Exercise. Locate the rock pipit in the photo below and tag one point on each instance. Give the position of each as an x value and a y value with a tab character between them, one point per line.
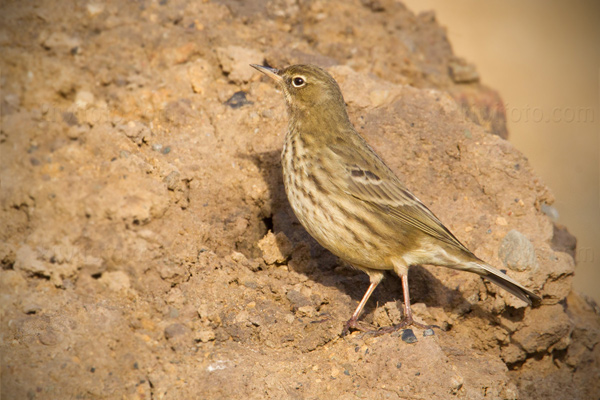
352	203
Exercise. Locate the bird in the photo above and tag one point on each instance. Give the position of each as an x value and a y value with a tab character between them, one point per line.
353	204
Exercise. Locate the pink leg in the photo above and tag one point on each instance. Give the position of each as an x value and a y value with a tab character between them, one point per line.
408	319
352	322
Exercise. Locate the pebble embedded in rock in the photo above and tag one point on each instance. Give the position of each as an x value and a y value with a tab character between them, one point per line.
50	337
93	9
74	132
408	336
428	332
27	260
237	100
115	280
199	74
306	311
172	180
205	336
31	308
60	41
135	131
550	211
517	252
84	99
175	330
463	72
275	248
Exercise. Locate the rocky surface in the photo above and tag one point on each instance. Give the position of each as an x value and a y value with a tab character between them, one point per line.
148	250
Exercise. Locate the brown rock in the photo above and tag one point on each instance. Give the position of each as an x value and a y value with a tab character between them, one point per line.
563	240
174	330
463	72
544	327
154	177
275	248
235	62
60	41
557	274
517	252
115	280
205	336
27	260
200	75
513	353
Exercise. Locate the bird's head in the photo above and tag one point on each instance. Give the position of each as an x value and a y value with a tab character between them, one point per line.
306	87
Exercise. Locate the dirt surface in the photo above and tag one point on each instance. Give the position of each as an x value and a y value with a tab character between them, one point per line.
148	250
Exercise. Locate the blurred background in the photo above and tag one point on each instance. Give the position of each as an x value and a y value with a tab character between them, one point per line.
544	59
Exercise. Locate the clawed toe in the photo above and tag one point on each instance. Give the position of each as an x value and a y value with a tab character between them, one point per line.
423	326
405	323
402	325
356	326
368	330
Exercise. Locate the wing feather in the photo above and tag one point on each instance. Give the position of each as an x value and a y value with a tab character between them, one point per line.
367	178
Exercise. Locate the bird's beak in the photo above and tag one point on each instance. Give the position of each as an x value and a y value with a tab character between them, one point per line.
270	72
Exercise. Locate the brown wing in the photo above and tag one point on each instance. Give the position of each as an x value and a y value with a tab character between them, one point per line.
366	177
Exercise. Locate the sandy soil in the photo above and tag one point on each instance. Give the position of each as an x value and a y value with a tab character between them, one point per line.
148	250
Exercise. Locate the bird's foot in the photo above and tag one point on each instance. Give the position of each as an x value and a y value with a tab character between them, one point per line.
405	323
354	324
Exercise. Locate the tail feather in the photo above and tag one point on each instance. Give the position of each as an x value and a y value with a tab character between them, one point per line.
504	281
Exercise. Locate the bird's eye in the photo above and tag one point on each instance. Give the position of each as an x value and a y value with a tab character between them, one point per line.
298	81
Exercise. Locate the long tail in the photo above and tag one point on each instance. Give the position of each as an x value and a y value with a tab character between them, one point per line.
504	281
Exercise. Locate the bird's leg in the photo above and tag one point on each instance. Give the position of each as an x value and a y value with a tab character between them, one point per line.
408	319
353	321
